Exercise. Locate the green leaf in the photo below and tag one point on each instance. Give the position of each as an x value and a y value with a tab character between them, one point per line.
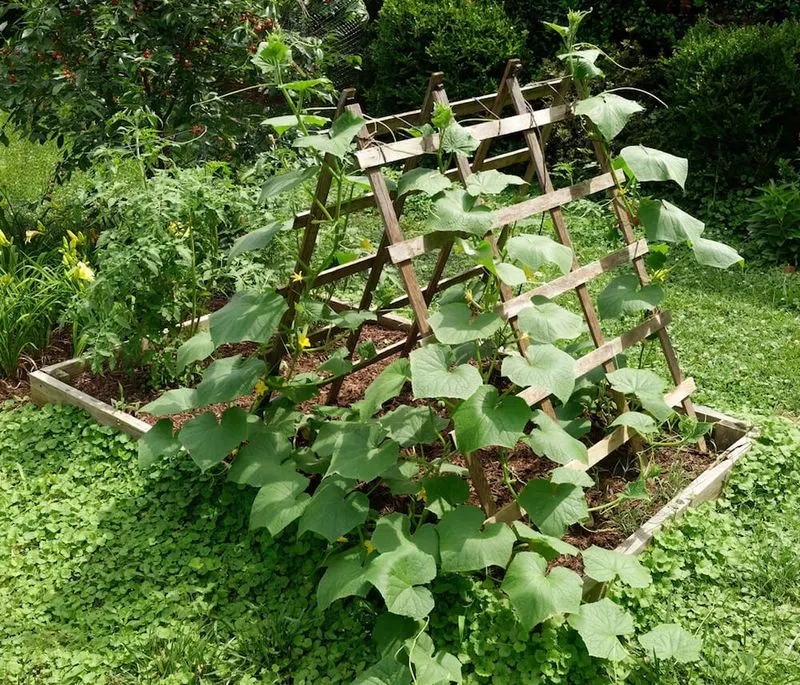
397	576
607	111
671	641
305	85
172	402
412	425
547	322
229	378
353	319
249	316
583	63
536	595
511	275
455	211
337	364
432	375
256	240
195	349
649	164
331	512
393	532
157	442
280	502
491	182
340	138
344	577
713	253
553	507
388	671
543	366
567	474
664	221
283	183
486	419
604	565
647	386
387	385
624	295
209	442
536	250
455	324
258	461
599	624
457	140
443	493
463	546
428	181
552	441
361	459
545	545
289	121
430	668
641	423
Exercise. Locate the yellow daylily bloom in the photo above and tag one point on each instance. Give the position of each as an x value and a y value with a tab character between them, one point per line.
297	277
369	546
30	235
84	272
4	241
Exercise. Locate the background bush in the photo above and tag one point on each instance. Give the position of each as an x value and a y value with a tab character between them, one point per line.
734	101
470	40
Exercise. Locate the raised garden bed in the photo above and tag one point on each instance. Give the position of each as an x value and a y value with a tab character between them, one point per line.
67	383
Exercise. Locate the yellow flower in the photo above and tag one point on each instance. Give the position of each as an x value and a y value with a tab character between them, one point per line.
297	277
261	387
341	538
84	272
369	546
173	228
366	245
30	235
524	337
302	341
4	242
468	295
421	495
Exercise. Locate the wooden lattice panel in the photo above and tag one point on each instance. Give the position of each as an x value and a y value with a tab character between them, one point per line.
534	124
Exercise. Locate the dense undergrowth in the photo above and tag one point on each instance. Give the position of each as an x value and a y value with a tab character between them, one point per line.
114	575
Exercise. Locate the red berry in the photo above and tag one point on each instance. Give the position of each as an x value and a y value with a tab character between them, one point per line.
252	48
268	23
147	53
12	78
197	129
76	11
186	64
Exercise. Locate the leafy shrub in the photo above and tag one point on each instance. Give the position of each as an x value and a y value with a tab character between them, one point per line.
469	40
66	71
33	293
734	101
774	222
158	253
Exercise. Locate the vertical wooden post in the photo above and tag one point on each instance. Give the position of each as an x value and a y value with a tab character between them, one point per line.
382	256
294	290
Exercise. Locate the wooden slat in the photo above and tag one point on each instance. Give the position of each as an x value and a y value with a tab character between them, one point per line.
597	452
554	199
337	273
414	247
413	147
533	91
605	352
573	279
441	286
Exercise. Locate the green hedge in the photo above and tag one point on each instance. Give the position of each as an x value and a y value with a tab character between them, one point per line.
734	101
469	40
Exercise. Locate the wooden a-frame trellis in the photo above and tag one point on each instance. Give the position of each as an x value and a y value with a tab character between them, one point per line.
535	126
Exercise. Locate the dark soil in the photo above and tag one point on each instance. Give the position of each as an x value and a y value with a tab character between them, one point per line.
58	350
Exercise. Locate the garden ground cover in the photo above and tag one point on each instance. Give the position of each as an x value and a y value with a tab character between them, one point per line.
113	575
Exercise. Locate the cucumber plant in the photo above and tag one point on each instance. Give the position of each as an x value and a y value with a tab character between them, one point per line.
329	471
